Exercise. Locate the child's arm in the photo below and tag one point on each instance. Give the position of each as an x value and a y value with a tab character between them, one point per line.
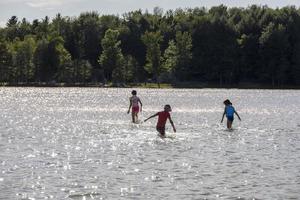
151	117
223	115
130	104
171	122
237	115
141	104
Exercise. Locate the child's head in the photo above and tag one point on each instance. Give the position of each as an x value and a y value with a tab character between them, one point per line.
227	102
168	108
133	92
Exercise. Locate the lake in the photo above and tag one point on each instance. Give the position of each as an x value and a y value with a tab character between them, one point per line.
79	143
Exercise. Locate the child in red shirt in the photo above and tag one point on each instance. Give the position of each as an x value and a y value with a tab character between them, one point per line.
162	119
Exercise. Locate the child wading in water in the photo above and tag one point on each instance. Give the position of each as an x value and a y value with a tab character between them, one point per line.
134	103
162	119
229	112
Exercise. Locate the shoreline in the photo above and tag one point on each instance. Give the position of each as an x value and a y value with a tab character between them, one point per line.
154	86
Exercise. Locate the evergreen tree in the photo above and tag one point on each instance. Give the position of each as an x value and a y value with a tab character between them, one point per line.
12	27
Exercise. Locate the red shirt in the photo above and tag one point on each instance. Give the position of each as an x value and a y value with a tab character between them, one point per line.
162	118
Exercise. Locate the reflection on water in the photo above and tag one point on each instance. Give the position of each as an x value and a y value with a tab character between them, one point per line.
78	143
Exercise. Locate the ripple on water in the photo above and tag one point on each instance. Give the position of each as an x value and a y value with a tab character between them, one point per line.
78	143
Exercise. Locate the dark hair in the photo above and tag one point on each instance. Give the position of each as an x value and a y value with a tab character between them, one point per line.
133	92
227	102
167	106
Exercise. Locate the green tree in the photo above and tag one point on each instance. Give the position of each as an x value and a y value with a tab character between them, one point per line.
64	64
132	68
69	30
132	43
12	27
152	41
170	57
178	56
295	66
52	60
81	72
273	50
23	52
24	29
184	55
112	59
41	29
40	60
257	45
5	62
88	33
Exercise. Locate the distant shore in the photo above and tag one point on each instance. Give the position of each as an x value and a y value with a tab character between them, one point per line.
191	85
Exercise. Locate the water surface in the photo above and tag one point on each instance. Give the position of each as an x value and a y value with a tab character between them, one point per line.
78	143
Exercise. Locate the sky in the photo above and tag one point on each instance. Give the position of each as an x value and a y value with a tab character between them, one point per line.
38	9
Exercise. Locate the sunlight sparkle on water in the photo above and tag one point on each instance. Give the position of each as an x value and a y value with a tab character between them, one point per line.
79	143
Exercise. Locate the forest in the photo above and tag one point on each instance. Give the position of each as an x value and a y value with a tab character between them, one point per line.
255	46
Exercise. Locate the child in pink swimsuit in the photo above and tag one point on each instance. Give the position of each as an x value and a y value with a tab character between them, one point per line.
134	103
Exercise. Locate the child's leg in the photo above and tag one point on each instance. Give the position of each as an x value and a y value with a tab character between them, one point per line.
133	117
135	111
229	124
161	130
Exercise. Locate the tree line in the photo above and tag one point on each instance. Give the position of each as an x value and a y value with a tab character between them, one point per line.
222	46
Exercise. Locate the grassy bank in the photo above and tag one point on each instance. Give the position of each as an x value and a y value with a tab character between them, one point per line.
191	85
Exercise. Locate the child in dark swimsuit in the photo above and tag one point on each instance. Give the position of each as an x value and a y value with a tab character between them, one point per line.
162	119
229	111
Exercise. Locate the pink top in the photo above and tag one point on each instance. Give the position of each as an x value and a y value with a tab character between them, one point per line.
135	101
